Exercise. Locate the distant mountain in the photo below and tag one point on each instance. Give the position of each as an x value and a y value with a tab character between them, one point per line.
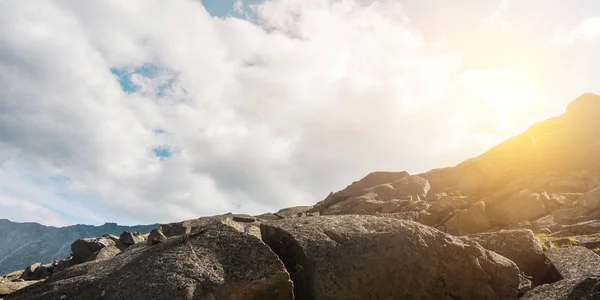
22	244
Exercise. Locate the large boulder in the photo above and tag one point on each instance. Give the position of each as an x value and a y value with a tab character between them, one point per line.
521	207
213	262
367	257
520	246
572	289
83	249
574	262
131	238
411	186
471	220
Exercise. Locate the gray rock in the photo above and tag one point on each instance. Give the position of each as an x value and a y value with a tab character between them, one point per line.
588	227
521	207
520	246
366	257
573	289
131	238
213	262
156	236
83	249
105	253
471	220
414	186
574	262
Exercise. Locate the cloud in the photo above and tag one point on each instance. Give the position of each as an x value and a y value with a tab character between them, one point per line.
23	211
587	31
498	17
155	111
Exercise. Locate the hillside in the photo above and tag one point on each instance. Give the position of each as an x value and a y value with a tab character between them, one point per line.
22	244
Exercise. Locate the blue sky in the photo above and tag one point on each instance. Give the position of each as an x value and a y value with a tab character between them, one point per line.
158	112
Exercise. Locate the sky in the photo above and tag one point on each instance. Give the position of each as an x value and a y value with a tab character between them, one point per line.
148	111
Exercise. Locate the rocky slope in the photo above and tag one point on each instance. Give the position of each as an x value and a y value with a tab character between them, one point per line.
520	221
22	244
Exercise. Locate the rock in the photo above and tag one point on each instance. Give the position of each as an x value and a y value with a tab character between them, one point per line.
590	200
450	203
573	289
406	215
29	271
471	220
525	285
8	287
131	238
268	217
417	206
357	188
292	212
521	207
366	257
105	253
426	218
244	219
37	271
213	262
83	249
414	186
156	236
544	231
588	227
574	262
520	246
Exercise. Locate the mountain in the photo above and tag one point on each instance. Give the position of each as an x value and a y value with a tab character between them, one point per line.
22	244
520	221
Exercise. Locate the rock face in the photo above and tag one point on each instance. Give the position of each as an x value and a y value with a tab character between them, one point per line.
573	289
215	262
574	262
366	257
521	207
520	246
470	220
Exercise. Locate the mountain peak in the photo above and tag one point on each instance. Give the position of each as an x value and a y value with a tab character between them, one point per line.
586	104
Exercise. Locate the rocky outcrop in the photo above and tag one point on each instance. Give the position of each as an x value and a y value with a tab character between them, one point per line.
366	257
213	262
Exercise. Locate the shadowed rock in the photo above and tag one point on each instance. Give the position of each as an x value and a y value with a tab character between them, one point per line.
520	246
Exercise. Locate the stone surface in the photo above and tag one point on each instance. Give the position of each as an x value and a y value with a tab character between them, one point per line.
520	246
131	238
573	289
520	207
83	249
156	236
471	220
366	257
213	262
574	262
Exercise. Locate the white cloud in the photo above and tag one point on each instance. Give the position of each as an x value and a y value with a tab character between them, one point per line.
586	31
23	211
262	117
498	17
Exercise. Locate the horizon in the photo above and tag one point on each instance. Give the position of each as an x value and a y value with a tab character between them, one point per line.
161	111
